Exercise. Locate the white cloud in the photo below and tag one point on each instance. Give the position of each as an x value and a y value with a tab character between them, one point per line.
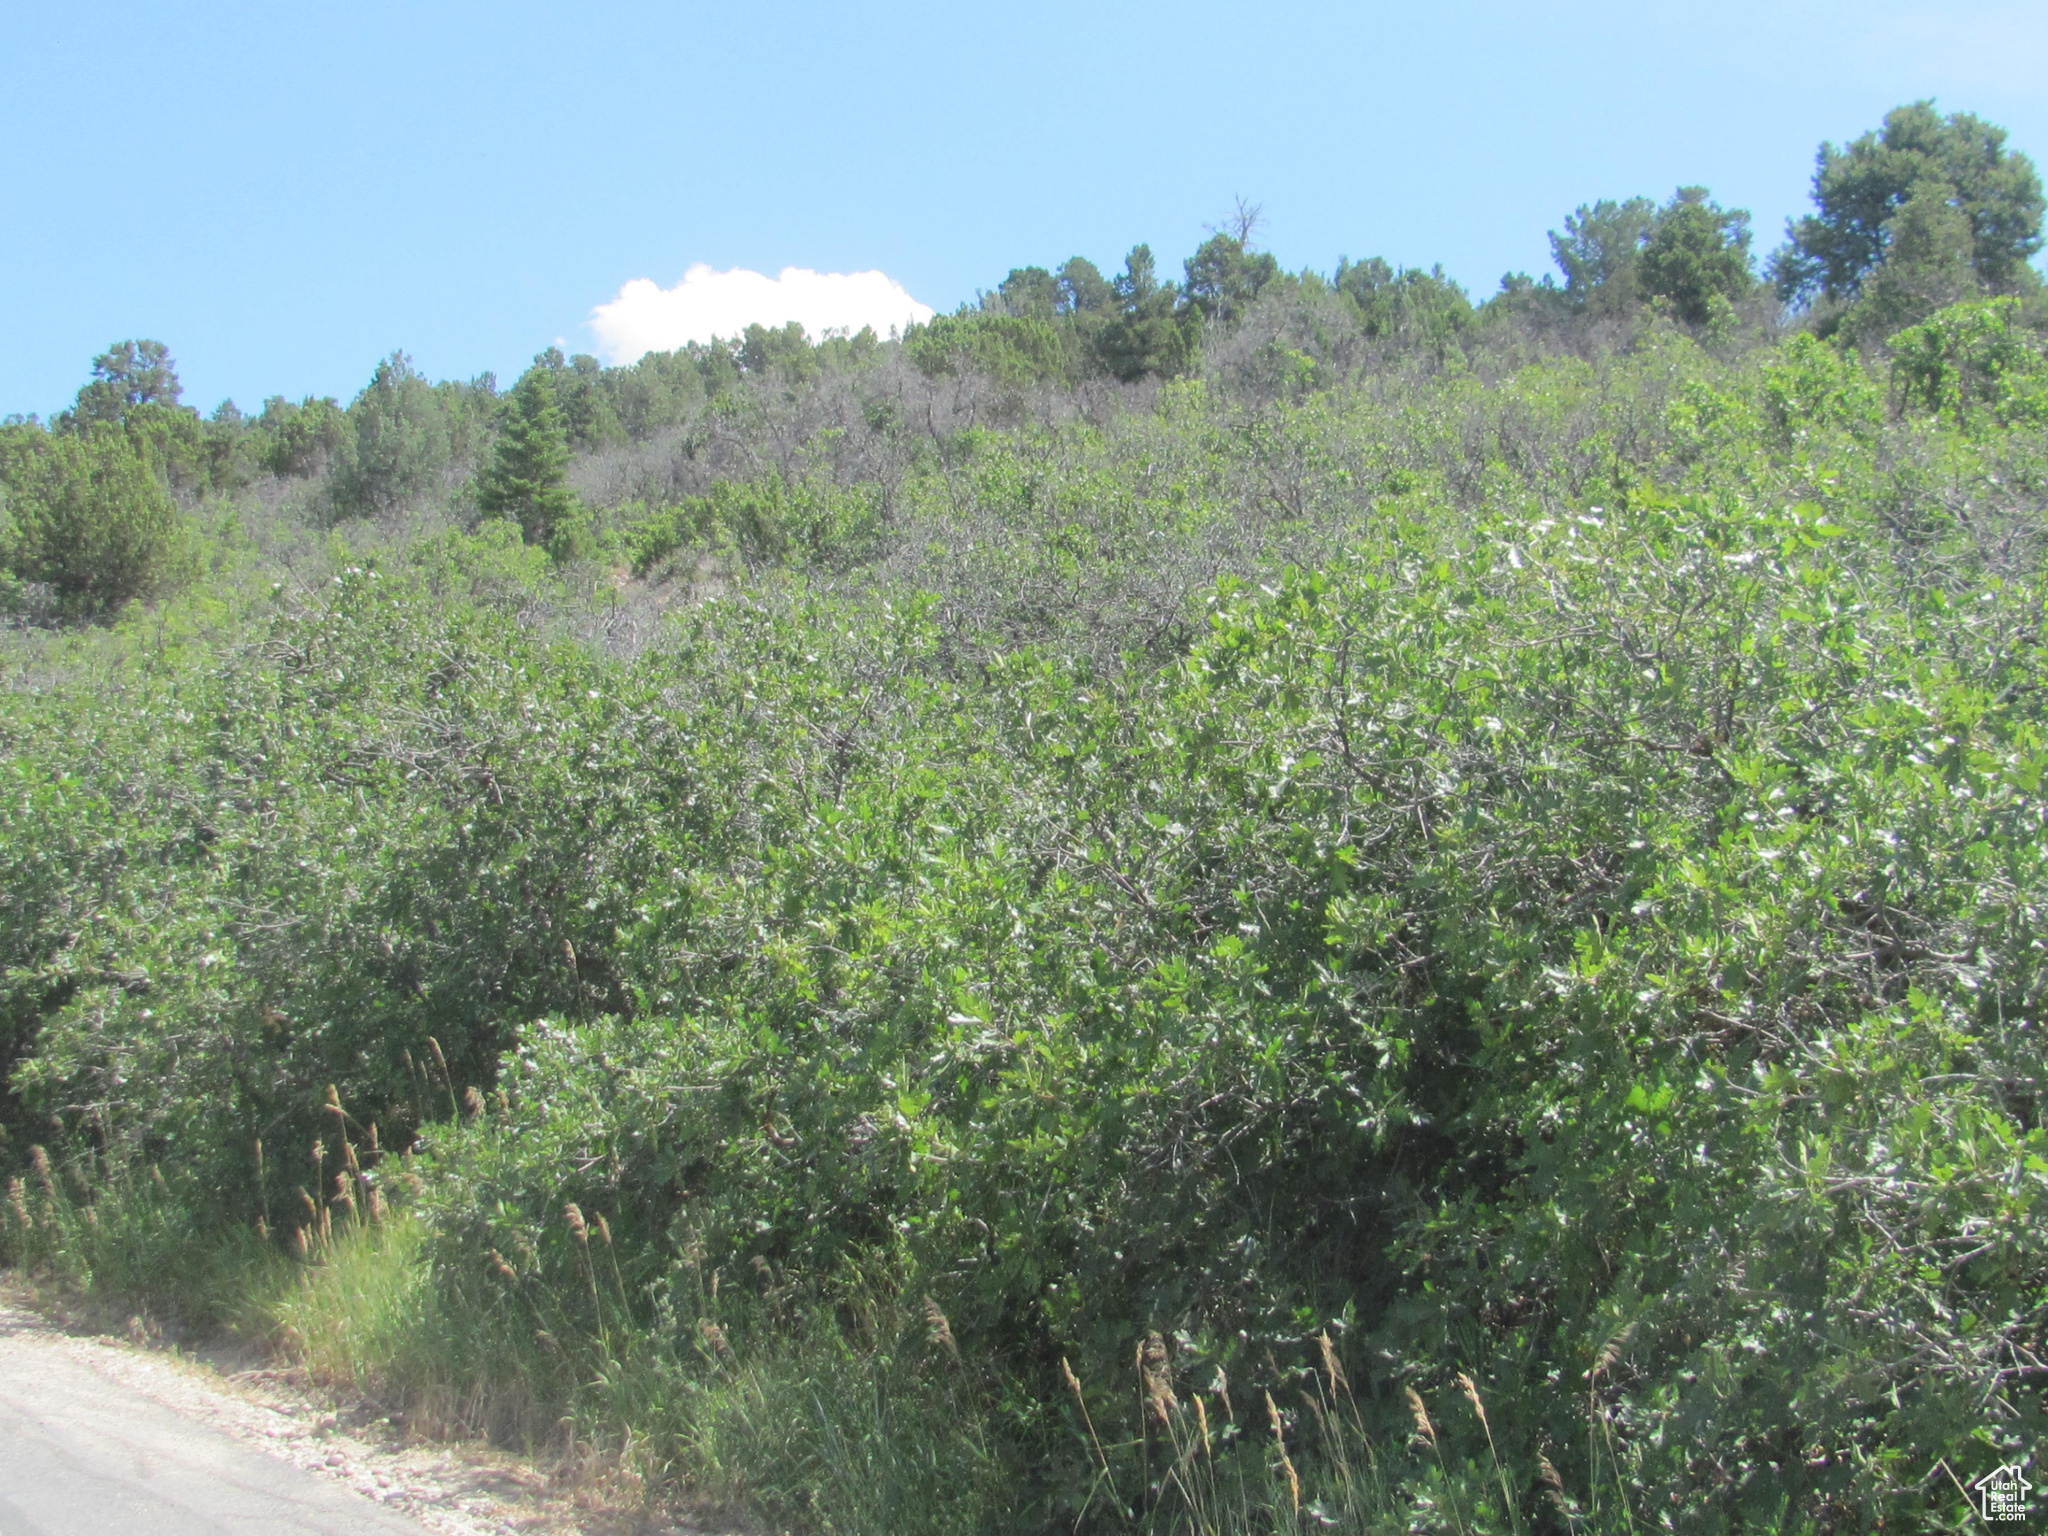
646	317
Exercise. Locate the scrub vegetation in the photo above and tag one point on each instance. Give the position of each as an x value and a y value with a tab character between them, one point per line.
1263	903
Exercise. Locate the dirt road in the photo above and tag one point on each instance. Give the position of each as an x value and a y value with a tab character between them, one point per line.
102	1439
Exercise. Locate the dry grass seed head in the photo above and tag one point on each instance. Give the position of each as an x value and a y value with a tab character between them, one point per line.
1280	1444
1332	1368
573	1214
1472	1396
1220	1386
1553	1485
1157	1375
1087	1420
1611	1350
938	1330
715	1337
472	1102
1423	1427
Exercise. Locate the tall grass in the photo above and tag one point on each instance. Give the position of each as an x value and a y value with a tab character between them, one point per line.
122	1241
812	1418
862	1416
853	1414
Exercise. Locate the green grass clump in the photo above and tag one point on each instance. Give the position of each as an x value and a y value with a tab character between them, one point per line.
777	1411
126	1241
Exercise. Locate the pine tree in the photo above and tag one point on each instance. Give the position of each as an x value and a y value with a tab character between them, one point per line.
395	447
524	480
1695	253
1860	191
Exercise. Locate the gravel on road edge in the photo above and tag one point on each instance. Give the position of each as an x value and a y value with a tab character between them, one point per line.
449	1489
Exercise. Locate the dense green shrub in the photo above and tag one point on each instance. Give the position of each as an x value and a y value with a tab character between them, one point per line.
1531	879
807	523
1453	946
299	440
401	436
1010	350
1973	362
87	519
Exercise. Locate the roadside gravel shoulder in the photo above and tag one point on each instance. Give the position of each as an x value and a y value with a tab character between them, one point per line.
449	1489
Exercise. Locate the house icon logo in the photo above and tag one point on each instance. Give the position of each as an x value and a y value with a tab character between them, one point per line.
2002	1493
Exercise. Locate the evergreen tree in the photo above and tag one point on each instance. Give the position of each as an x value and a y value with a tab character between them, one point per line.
88	520
524	479
126	375
784	350
1081	289
300	439
1696	252
1860	191
580	390
1146	335
1225	277
1691	253
1029	292
396	446
1410	309
1599	254
1927	268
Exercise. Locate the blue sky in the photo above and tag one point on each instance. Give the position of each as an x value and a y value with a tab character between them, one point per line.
284	193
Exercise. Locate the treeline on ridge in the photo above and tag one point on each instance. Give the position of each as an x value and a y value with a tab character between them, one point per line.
1926	212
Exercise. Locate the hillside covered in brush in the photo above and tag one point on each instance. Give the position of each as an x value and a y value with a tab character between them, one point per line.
1262	902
